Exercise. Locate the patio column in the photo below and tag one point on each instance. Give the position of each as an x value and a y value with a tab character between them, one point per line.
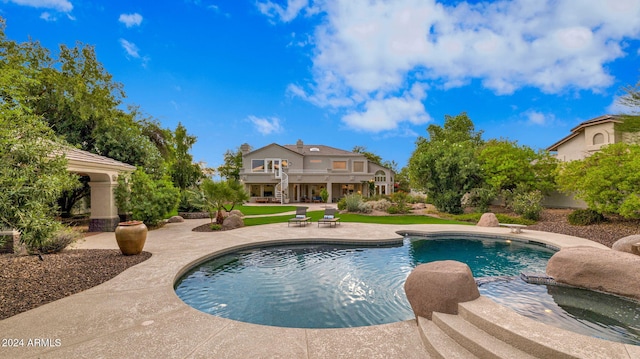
329	190
104	213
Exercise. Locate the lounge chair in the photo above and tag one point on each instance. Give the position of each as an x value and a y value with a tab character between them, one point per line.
329	217
301	217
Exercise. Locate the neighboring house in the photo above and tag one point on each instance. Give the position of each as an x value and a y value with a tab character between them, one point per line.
587	138
298	173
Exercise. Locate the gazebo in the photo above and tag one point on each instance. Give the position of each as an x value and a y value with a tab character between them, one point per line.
103	173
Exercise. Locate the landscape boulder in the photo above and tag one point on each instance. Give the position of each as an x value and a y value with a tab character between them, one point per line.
488	220
439	287
175	219
237	213
232	222
625	244
597	269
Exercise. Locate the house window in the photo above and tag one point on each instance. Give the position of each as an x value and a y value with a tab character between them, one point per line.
358	166
339	165
257	165
255	190
380	176
598	139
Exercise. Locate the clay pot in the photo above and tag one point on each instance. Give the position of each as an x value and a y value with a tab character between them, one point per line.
131	237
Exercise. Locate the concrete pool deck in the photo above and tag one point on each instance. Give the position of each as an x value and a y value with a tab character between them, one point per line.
138	315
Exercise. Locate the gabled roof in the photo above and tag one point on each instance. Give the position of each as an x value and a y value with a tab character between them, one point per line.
578	129
80	158
271	145
309	150
322	150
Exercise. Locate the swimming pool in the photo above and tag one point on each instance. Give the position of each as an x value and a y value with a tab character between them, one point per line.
338	286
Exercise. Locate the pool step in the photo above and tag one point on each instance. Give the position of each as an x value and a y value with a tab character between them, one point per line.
475	340
439	344
536	339
485	329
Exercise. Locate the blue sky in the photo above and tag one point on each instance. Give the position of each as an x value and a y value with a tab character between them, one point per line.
348	73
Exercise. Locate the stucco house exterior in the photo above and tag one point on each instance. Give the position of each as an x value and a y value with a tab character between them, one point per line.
585	139
298	173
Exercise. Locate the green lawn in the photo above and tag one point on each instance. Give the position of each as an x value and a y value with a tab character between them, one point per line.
256	210
351	217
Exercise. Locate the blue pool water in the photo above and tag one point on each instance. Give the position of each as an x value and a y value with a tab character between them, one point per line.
338	286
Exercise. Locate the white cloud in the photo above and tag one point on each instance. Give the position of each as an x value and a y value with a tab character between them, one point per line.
130	20
387	113
46	16
266	126
617	108
367	51
539	118
286	13
59	5
131	48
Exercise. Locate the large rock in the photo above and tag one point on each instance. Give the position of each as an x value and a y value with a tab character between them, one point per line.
439	287
598	269
236	212
488	220
625	244
232	222
175	219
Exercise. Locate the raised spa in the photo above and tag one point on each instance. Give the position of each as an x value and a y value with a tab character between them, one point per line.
338	286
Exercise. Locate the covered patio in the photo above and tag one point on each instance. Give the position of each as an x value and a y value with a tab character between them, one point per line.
103	173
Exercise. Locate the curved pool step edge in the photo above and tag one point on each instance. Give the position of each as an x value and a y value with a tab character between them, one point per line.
476	340
538	339
439	344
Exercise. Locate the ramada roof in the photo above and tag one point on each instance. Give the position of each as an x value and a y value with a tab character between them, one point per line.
80	158
578	129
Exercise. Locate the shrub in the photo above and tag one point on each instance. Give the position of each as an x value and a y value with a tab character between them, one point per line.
393	209
190	201
365	207
480	198
400	199
417	198
57	242
527	204
215	227
342	204
585	217
353	202
147	200
380	205
324	195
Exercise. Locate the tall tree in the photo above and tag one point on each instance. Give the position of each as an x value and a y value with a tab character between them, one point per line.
445	165
369	155
507	166
608	181
33	170
230	170
184	172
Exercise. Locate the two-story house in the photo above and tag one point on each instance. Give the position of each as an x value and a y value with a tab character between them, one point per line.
299	173
587	138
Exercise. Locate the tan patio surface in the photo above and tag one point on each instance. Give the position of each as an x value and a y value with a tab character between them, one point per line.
138	315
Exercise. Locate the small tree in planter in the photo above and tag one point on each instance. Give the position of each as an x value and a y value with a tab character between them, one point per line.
324	195
219	195
147	200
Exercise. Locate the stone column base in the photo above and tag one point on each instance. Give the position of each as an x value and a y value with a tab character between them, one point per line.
103	224
10	239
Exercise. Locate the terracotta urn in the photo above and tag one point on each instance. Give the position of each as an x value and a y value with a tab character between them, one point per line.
131	236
